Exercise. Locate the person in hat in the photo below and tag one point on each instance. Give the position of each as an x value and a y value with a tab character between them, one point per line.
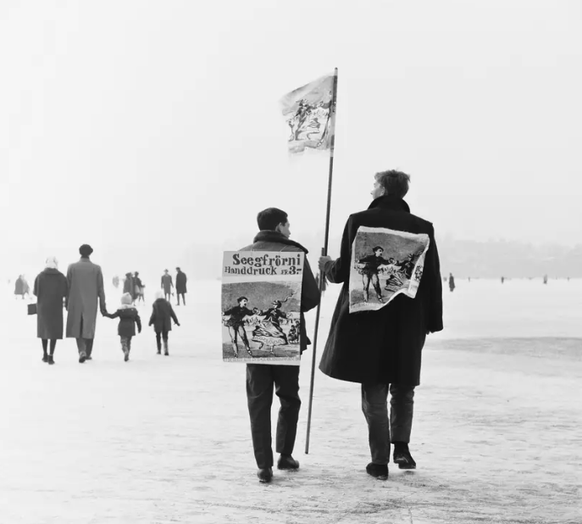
167	284
50	289
85	292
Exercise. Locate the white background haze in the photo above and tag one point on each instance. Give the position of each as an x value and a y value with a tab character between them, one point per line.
151	130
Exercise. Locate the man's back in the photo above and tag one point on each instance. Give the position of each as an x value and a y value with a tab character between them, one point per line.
403	323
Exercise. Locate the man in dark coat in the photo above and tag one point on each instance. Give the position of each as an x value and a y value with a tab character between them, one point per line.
382	349
50	289
181	280
85	288
261	378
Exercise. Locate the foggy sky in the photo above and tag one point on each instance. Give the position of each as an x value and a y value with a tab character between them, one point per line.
144	128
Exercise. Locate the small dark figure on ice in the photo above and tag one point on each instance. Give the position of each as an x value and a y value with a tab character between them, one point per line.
161	319
167	284
128	318
181	280
451	282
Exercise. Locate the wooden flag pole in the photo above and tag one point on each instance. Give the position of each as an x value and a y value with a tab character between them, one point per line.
324	253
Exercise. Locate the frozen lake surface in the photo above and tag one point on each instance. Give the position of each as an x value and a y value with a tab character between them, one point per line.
497	430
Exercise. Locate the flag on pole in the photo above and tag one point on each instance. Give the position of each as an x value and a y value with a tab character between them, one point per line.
308	111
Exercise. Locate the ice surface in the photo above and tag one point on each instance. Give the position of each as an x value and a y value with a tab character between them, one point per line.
159	439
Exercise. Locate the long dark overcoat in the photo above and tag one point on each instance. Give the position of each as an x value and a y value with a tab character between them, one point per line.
85	281
181	282
50	288
385	345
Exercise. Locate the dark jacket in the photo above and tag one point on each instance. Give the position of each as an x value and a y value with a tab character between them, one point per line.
162	315
275	241
128	318
386	345
181	282
50	288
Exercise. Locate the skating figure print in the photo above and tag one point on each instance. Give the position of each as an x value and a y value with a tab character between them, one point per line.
391	261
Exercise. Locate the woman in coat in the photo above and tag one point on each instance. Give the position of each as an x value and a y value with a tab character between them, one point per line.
50	288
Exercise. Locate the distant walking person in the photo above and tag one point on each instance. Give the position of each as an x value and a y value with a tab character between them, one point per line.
181	285
167	284
85	289
545	279
451	282
129	285
50	288
161	319
128	319
138	286
19	286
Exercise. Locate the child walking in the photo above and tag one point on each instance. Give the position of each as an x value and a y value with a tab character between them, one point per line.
128	318
161	319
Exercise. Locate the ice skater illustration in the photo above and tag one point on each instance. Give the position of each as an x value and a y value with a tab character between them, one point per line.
236	324
268	331
369	267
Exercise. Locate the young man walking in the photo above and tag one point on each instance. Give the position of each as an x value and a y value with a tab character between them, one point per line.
273	235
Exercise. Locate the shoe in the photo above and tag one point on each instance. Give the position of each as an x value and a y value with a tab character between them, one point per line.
82	358
265	475
166	354
51	360
89	357
287	462
379	471
45	358
159	352
126	355
403	458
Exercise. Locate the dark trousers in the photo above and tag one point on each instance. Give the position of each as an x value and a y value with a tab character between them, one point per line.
178	295
45	346
375	408
261	379
161	335
85	345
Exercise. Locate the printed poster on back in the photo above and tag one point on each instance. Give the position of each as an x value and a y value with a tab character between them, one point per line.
385	263
261	304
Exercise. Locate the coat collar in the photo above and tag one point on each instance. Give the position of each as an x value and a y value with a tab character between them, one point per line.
275	236
390	202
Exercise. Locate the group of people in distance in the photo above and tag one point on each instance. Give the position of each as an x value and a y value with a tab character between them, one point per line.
167	285
81	292
381	350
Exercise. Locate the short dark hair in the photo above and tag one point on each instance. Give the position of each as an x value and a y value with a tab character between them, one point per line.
378	248
270	218
85	250
395	183
239	299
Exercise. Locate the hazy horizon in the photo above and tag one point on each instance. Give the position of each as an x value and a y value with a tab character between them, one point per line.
147	128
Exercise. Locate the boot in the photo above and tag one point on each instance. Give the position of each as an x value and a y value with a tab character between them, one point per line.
45	357
166	352
51	361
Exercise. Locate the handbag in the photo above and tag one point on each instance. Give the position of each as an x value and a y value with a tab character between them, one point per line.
32	309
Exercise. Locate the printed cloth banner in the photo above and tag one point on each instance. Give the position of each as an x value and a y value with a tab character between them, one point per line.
388	261
308	112
261	302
